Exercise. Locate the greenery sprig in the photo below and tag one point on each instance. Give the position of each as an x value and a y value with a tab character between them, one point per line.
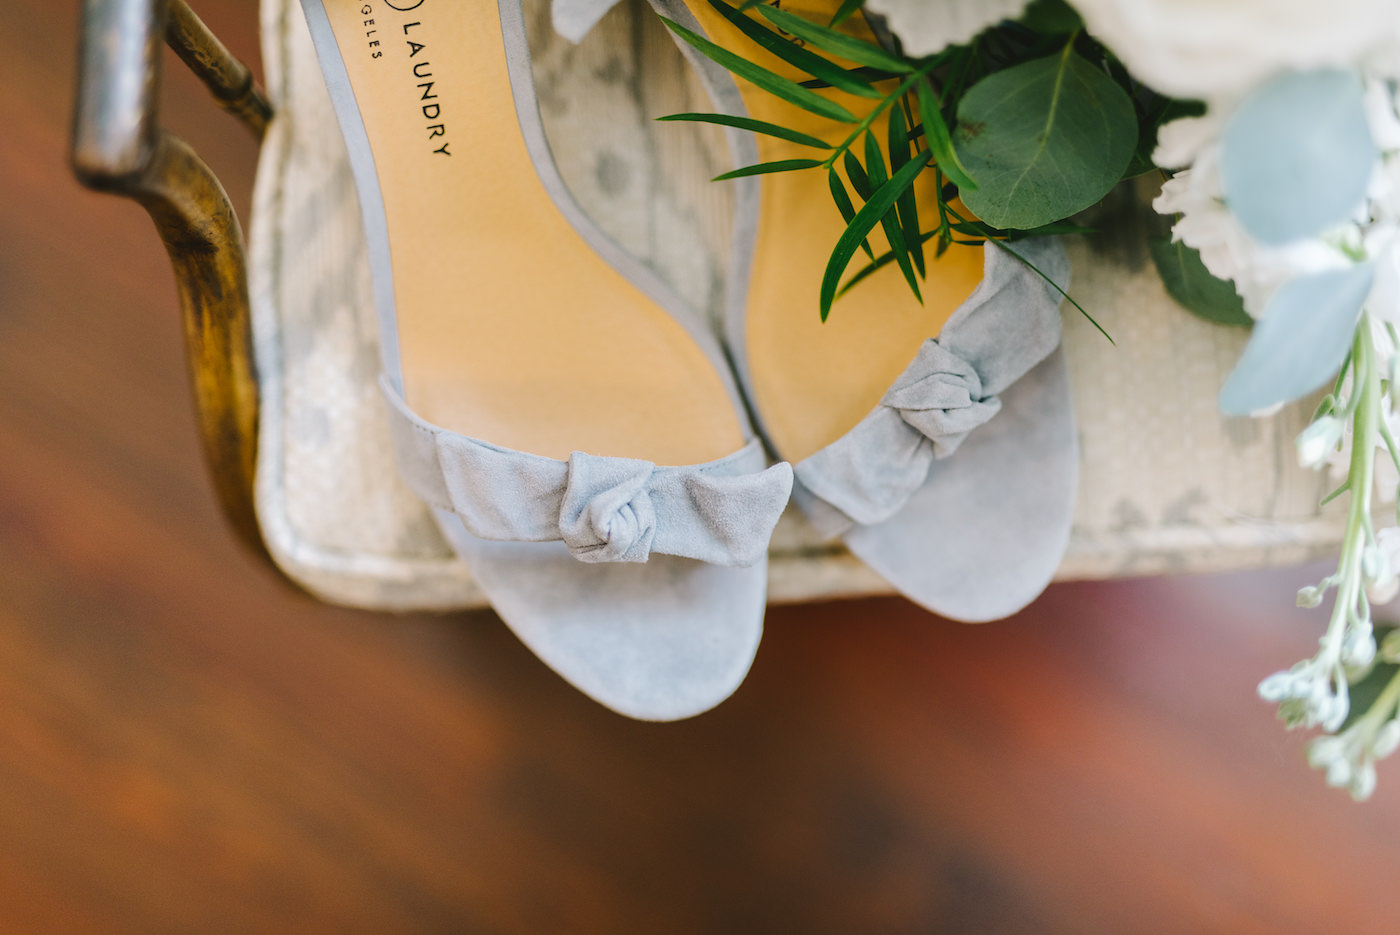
1028	124
1351	688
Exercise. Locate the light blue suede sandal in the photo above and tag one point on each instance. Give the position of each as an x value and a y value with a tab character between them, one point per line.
936	440
574	427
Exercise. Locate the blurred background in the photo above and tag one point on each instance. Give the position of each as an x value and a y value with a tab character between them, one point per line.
187	745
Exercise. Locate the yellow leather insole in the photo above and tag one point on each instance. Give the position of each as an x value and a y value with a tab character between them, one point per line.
511	328
813	381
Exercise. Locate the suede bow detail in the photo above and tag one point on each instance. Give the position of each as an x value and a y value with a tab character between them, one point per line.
872	470
602	509
606	514
1009	324
616	509
940	396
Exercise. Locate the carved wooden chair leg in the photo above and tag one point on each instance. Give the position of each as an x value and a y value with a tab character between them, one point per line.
119	147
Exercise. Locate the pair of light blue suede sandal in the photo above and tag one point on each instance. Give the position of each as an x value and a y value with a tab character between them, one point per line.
579	431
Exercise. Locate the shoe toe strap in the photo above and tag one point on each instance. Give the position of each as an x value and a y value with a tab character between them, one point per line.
604	509
1009	324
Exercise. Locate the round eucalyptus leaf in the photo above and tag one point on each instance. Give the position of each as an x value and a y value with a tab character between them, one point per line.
1192	285
1300	341
1043	140
1297	155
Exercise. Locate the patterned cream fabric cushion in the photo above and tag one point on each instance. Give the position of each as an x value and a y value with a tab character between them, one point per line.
1167	484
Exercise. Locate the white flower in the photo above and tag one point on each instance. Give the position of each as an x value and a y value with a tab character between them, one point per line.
1381	114
925	26
1349	759
1386	477
1387	740
1227	250
1384	301
1359	646
1384	587
1319	440
1212	48
1311	694
1181	141
1198	194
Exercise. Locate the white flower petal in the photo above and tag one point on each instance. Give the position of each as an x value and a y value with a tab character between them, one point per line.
925	26
1209	48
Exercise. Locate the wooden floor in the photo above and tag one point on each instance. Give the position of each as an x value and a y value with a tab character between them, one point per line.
188	747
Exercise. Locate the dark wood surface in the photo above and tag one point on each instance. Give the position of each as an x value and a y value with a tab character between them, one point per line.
188	746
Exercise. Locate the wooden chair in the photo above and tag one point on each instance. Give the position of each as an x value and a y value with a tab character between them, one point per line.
1167	483
120	147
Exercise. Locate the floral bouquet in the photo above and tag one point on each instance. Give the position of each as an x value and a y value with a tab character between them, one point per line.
1274	127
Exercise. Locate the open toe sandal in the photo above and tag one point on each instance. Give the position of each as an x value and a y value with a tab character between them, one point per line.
575	428
936	438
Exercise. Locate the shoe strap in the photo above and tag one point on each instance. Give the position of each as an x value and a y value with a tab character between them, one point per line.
604	509
1009	324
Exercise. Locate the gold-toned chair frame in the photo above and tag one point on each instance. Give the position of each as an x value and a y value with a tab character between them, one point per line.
119	147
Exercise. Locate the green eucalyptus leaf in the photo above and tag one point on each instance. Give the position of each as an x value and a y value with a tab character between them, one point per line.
773	83
1045	230
1192	285
837	43
767	168
757	126
1044	140
862	224
827	72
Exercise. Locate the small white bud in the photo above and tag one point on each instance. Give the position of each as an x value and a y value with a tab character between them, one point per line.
1384	588
1375	565
1318	440
1386	741
1363	782
1331	713
1383	592
1359	647
1315	690
1338	773
1278	686
1324	751
1309	596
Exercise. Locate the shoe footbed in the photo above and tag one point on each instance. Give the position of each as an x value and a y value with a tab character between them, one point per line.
511	328
813	381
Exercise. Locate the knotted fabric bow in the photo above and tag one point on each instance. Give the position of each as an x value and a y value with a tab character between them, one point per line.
604	509
1008	325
